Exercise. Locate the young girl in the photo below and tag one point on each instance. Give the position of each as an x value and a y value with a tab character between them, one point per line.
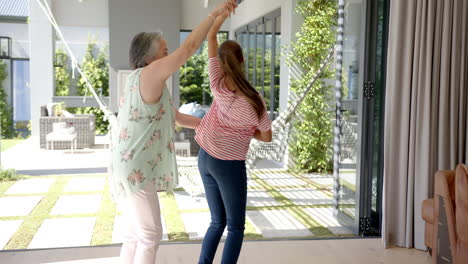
237	114
142	155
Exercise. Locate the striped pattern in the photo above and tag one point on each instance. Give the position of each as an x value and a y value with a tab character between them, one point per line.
14	8
338	86
226	130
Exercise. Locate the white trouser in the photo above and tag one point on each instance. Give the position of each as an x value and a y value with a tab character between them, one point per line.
142	229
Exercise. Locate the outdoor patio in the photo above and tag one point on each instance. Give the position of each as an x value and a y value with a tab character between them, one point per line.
71	190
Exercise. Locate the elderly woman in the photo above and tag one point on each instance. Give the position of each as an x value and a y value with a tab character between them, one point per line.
142	155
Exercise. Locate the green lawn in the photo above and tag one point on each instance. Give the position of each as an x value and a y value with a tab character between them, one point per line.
9	143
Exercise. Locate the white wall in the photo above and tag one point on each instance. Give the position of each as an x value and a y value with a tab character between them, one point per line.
193	12
82	21
42	40
127	18
250	10
87	13
19	33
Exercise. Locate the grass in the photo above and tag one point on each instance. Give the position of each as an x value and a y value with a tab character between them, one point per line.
175	225
33	221
102	233
9	143
105	219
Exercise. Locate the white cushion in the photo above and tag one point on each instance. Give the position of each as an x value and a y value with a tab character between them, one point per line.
67	114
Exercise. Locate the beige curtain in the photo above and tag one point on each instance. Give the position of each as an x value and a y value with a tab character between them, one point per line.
425	111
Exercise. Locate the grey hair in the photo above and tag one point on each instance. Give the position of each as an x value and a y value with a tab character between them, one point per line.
143	48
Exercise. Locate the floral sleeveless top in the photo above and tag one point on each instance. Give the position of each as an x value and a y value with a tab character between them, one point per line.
142	145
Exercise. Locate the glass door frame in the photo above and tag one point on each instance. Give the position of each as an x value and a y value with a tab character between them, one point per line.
372	143
369	147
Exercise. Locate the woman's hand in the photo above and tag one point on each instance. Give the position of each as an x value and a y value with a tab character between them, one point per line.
228	6
264	136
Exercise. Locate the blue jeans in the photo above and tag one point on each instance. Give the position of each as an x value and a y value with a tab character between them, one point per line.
225	183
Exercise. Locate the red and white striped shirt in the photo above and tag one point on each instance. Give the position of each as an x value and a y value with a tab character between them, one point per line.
226	130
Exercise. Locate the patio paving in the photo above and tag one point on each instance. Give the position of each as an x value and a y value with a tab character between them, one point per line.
82	211
31	186
77	204
85	184
277	223
64	233
306	196
281	179
324	216
47	161
186	202
7	229
18	206
196	224
260	198
320	179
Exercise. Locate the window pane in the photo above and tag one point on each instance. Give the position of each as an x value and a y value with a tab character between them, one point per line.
277	62
268	62
22	105
252	48
260	59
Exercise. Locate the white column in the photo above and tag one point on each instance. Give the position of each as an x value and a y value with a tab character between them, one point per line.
42	43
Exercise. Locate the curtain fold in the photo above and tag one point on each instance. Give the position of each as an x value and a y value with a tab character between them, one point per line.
426	126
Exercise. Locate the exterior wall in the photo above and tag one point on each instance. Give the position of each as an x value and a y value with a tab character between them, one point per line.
88	13
127	18
193	12
81	22
19	33
42	42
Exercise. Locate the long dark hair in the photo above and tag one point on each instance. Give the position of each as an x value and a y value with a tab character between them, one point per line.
230	54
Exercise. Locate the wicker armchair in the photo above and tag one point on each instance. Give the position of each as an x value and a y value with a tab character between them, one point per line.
84	126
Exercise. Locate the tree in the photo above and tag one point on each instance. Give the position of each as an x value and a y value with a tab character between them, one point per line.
96	69
311	147
7	129
62	73
194	82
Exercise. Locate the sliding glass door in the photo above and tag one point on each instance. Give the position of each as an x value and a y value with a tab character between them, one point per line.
261	43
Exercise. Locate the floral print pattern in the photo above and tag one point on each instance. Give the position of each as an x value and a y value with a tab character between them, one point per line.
124	135
154	162
136	177
135	114
158	116
155	137
142	150
128	155
170	146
